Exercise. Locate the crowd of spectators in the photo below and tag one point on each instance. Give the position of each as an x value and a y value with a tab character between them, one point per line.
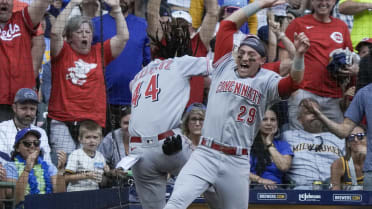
67	65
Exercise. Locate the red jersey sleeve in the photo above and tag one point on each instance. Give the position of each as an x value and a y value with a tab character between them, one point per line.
224	39
286	87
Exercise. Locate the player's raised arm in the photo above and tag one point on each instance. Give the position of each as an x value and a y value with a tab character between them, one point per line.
119	41
37	10
301	43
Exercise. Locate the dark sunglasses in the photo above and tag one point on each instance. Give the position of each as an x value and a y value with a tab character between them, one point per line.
231	10
28	144
359	136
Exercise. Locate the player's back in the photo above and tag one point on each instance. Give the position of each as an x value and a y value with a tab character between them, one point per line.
160	92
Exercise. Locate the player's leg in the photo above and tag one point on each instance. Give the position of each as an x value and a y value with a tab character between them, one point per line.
195	177
233	185
212	198
150	184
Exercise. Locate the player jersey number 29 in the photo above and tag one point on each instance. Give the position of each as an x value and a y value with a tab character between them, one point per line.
249	111
152	90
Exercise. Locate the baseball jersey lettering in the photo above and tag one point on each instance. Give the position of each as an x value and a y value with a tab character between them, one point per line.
251	114
240	89
12	32
152	89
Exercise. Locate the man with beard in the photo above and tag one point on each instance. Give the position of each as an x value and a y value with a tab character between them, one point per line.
122	70
314	150
24	108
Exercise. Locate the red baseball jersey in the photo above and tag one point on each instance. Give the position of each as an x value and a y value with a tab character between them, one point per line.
16	69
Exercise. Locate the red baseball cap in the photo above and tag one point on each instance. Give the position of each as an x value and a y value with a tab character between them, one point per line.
364	41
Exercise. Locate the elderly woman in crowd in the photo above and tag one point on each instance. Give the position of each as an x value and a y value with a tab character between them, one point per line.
347	171
78	87
271	156
28	170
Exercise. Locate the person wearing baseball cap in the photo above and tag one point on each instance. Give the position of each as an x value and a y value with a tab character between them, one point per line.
28	170
25	109
364	47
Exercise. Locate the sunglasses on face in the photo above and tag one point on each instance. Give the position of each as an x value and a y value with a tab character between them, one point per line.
28	144
359	136
231	10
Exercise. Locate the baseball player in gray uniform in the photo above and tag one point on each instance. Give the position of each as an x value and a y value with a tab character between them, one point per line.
239	94
159	96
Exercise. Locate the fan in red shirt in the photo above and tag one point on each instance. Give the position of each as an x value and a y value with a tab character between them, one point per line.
16	31
78	88
325	34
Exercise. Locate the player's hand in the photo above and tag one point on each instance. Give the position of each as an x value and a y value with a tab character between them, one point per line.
268	184
62	158
271	3
172	145
301	42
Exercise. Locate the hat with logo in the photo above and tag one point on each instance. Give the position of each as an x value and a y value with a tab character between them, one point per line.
255	43
22	133
364	41
182	14
24	95
235	3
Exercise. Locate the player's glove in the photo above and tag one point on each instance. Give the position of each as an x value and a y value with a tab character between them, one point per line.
172	145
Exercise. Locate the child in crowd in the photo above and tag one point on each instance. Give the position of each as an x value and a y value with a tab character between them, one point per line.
85	166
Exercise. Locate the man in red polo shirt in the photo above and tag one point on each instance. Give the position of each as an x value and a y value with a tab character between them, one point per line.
16	31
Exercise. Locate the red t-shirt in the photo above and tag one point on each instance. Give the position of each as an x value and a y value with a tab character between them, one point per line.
16	69
324	38
78	86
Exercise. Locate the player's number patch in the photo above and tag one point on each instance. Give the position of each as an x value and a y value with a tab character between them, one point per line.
152	90
250	113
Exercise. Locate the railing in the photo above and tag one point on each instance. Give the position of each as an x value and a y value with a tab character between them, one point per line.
8	185
126	198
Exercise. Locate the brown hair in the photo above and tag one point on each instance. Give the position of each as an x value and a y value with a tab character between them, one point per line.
89	125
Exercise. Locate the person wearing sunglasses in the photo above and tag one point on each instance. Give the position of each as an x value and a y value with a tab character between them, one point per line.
29	171
347	171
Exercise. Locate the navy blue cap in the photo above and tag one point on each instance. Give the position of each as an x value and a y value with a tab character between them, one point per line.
22	133
256	43
26	94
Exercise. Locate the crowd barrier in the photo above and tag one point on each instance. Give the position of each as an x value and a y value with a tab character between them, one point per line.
126	198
